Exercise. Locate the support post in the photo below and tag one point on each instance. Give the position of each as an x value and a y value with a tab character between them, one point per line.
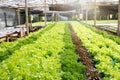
81	14
53	17
95	13
52	13
45	12
5	16
86	15
118	30
18	15
22	32
57	16
26	13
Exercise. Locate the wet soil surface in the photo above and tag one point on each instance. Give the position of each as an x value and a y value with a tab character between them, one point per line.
91	72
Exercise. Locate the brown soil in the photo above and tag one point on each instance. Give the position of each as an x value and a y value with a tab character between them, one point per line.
85	57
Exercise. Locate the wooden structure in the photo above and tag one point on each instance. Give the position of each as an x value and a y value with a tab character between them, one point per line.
26	14
10	37
45	12
95	13
118	32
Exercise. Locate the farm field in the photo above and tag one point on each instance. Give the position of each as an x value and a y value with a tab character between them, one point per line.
50	54
39	56
104	49
59	39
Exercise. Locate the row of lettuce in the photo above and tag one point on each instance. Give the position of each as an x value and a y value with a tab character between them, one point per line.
106	35
48	54
8	48
103	33
104	48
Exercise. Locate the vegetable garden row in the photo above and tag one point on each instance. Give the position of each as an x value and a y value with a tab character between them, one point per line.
104	48
91	72
50	54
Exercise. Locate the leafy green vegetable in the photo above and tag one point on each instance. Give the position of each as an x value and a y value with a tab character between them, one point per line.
48	55
105	50
8	48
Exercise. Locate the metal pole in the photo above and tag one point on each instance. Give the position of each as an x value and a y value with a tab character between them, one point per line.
78	14
95	13
26	14
52	13
45	11
82	14
18	13
58	16
52	17
5	15
86	15
118	31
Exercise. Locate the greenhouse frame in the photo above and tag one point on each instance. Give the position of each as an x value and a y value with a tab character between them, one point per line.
59	39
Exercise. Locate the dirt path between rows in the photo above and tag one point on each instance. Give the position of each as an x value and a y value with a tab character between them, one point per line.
85	57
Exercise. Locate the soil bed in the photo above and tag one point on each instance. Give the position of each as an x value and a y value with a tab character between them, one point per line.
85	57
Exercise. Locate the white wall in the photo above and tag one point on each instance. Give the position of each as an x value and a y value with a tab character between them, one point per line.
10	16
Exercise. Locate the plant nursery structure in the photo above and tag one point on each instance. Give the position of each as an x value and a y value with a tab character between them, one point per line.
59	40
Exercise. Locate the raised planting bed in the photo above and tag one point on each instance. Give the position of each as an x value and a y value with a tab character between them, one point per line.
106	34
85	57
48	54
7	34
10	34
8	48
110	28
105	51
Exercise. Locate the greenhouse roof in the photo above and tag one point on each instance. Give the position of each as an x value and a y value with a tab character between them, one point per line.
16	3
58	5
